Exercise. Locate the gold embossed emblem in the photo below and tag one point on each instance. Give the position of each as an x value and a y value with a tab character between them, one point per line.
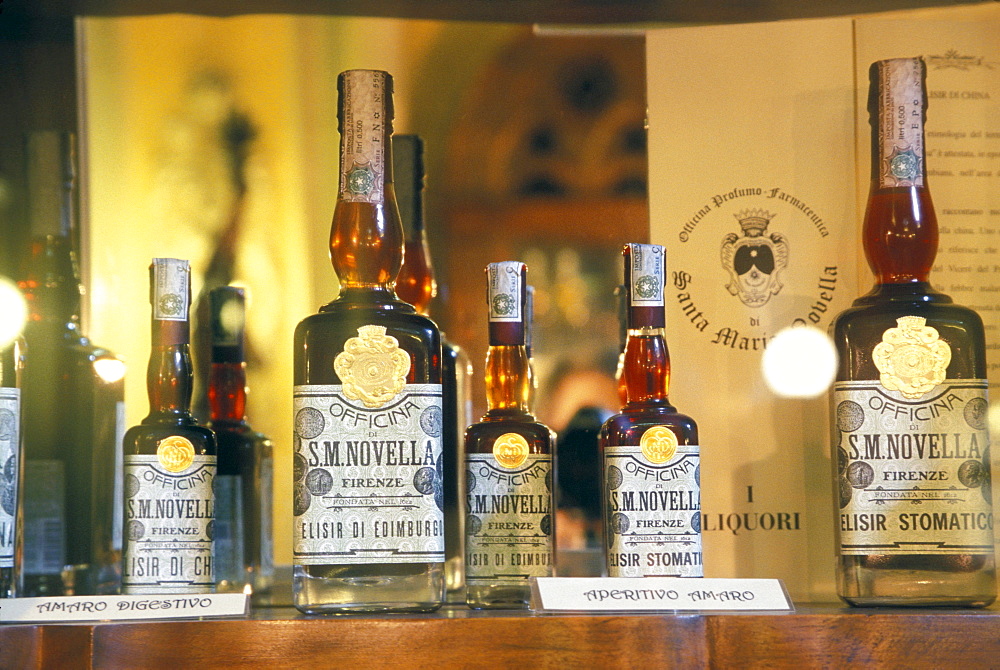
175	453
911	358
659	444
372	367
510	450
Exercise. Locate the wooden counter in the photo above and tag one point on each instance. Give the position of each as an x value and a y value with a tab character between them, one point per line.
813	636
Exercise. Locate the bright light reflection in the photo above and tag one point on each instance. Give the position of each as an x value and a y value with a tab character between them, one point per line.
109	369
13	312
800	362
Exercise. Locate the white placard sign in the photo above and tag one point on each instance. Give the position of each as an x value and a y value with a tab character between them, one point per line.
117	608
656	594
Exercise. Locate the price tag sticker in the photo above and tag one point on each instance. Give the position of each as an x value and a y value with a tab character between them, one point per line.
657	594
120	608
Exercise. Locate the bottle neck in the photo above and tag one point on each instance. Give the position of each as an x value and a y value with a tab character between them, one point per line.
415	283
900	233
646	366
508	379
169	381
227	392
51	286
366	237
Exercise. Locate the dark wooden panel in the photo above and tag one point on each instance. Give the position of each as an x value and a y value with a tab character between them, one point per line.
518	11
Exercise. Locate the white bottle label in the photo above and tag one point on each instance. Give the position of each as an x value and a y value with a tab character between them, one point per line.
169	524
368	475
900	114
504	291
10	430
653	508
363	101
647	275
914	473
509	520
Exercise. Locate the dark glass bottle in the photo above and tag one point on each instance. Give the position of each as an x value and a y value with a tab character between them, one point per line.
510	456
910	434
652	474
169	460
11	460
244	480
416	286
73	402
368	532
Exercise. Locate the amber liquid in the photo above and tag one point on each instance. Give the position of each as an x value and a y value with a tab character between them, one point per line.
366	247
415	285
645	379
246	460
508	388
71	432
900	242
169	382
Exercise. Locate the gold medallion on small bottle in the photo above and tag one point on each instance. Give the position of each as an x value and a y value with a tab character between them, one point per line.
175	453
510	450
659	444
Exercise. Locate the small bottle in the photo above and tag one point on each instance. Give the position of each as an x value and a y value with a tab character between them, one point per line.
510	457
416	286
73	401
910	407
368	529
243	483
169	460
652	475
11	461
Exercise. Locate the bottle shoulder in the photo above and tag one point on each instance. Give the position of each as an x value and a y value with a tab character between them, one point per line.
628	426
144	438
348	316
480	436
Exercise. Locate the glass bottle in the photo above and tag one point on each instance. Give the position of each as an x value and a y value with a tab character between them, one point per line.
416	286
510	457
73	402
11	461
652	475
244	480
169	460
909	423
368	528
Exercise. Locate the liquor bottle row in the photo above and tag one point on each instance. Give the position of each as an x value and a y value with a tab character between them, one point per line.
395	511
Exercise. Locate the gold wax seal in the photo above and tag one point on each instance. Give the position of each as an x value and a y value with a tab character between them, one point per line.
911	358
175	453
659	444
510	450
372	367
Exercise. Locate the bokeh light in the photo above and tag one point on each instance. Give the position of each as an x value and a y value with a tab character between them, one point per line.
13	312
800	362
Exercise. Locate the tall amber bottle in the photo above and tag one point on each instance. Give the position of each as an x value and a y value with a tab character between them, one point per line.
368	532
416	285
510	456
73	401
243	483
652	472
910	434
11	462
169	460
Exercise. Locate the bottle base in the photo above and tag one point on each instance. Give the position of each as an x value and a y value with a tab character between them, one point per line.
497	596
368	589
917	581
